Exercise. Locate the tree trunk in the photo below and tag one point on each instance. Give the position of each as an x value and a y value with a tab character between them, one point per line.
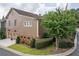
57	45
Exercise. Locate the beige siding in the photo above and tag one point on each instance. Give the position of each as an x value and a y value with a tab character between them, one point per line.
20	29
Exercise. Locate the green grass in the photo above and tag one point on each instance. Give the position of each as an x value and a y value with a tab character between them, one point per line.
27	50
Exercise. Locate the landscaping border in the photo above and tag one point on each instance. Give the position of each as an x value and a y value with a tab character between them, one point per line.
68	52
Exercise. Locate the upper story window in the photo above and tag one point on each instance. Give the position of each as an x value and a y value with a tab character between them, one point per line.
8	30
27	23
8	23
14	22
14	30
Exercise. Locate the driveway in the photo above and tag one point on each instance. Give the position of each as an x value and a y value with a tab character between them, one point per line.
76	52
7	42
4	52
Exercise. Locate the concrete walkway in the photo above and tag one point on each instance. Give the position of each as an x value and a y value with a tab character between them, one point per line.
7	42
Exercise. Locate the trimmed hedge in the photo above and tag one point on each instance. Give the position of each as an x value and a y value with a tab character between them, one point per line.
64	44
42	43
3	36
32	43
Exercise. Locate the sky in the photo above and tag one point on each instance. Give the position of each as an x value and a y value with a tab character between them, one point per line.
38	8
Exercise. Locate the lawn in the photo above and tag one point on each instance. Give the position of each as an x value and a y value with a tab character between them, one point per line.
27	50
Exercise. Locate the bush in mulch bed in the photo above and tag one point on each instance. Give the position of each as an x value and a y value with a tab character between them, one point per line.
66	44
18	40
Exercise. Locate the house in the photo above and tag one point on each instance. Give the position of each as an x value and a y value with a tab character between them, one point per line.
23	24
2	28
2	25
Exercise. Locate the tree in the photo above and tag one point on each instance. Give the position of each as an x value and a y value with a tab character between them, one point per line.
77	16
2	35
76	11
59	24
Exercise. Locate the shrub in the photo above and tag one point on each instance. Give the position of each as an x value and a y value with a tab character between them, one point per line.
18	40
64	44
32	43
3	36
28	41
43	43
45	35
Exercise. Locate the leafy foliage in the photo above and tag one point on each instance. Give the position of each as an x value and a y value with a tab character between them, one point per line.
65	44
32	43
76	12
45	35
2	35
77	16
59	24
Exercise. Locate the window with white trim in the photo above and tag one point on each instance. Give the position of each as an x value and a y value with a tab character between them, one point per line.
8	23
15	22
27	23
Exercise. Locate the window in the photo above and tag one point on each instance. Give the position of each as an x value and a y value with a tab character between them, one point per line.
14	30
8	30
8	23
14	22
28	24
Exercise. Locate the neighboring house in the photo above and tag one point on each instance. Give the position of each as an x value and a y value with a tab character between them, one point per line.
2	25
23	24
2	28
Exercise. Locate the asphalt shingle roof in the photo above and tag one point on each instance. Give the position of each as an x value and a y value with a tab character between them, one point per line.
24	13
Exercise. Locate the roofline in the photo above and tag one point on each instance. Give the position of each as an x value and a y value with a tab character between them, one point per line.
38	17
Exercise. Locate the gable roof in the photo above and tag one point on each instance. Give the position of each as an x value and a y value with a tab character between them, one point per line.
21	12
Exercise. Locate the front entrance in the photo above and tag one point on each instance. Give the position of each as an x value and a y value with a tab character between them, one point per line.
12	35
